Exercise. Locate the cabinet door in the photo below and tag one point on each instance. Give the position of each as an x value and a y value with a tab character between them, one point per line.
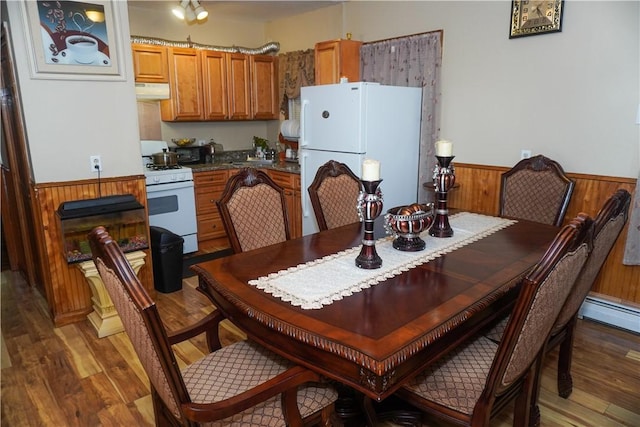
239	84
185	75
290	182
208	188
150	63
214	79
335	59
264	88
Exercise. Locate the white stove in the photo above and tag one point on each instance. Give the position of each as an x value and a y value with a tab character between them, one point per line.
170	196
161	174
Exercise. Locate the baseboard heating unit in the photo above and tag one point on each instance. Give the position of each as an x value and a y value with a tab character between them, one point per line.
611	313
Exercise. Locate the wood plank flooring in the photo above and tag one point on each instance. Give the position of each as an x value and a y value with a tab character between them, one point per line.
68	377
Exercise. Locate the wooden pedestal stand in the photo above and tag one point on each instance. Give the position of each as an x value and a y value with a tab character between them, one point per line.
104	317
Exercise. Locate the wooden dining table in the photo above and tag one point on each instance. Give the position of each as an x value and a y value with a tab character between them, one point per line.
375	340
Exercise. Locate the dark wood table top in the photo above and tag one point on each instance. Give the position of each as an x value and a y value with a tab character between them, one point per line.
376	339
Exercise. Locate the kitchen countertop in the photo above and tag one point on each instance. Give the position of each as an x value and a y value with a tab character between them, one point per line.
222	165
237	159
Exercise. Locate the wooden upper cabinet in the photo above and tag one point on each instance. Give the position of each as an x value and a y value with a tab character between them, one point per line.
335	59
215	86
185	76
150	63
239	87
264	88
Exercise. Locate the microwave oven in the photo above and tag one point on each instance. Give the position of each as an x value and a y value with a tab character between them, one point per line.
190	155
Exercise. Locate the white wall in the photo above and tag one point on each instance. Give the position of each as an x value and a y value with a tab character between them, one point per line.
69	120
571	95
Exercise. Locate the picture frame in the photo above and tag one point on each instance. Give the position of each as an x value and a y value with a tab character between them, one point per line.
533	17
73	40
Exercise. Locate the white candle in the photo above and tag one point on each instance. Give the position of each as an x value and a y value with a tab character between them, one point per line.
444	148
370	170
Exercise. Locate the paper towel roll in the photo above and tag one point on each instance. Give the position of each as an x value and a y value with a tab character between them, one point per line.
290	130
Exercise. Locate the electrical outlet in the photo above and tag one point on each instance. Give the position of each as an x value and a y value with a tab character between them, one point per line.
525	154
96	163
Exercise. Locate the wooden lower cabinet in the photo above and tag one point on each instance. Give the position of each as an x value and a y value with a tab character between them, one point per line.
291	184
208	188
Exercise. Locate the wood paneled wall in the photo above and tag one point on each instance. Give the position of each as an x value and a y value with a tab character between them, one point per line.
479	191
67	291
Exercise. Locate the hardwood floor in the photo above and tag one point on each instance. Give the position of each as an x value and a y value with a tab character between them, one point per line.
68	377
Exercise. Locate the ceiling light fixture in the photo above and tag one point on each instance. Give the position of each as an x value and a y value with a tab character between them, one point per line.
190	10
200	12
180	9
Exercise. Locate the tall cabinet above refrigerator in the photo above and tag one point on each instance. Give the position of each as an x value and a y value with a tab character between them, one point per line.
349	122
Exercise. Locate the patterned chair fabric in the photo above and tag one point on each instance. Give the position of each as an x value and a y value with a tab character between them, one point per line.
253	211
536	189
229	385
333	194
480	374
607	227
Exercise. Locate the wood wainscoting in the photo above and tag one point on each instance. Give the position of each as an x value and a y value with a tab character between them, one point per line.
479	191
67	291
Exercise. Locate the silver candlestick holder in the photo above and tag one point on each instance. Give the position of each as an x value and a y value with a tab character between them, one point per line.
444	178
369	208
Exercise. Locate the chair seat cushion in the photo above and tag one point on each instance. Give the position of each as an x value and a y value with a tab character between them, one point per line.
239	367
457	380
497	331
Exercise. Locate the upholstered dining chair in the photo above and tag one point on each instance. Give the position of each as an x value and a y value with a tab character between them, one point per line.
253	210
239	384
479	377
536	189
333	194
607	227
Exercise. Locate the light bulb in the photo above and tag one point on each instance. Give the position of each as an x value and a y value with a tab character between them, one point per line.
201	13
179	11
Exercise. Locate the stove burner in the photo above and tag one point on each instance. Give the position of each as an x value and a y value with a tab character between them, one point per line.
151	166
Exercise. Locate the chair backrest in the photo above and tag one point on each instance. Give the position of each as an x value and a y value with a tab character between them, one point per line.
542	295
536	189
334	194
140	319
608	225
253	210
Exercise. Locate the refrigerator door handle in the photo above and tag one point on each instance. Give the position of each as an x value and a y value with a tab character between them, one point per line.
303	114
303	183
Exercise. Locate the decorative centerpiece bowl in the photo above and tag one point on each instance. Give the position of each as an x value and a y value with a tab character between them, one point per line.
183	142
406	223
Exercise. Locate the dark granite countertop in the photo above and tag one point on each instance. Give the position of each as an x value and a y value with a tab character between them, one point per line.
238	159
284	167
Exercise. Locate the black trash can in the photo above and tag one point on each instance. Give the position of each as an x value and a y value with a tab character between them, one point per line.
166	250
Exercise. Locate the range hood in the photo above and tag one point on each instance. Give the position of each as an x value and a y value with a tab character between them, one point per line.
152	91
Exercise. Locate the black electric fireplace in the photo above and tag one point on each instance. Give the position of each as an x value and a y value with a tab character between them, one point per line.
122	215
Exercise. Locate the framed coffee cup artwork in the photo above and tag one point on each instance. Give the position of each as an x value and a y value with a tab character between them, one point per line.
78	40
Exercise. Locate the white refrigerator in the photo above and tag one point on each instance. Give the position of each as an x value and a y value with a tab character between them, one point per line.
349	122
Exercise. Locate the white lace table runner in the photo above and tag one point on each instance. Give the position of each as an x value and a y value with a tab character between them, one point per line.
321	282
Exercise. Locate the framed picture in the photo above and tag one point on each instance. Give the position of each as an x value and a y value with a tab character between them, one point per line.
73	40
532	17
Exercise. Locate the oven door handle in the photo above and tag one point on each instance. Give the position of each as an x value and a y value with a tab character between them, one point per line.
168	186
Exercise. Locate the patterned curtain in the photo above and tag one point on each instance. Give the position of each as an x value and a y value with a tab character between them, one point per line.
295	69
413	61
